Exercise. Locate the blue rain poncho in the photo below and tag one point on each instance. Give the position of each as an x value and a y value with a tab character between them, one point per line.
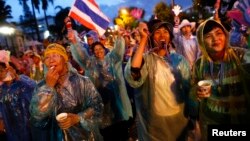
76	96
14	106
107	76
162	86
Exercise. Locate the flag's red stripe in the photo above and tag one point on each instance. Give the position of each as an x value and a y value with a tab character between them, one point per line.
94	3
82	21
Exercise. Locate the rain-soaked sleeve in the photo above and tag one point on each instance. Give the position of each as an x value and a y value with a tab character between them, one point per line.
186	74
80	54
30	85
93	101
191	109
129	74
192	93
119	49
42	104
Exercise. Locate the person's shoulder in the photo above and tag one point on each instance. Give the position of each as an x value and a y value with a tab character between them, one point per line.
83	80
74	75
177	56
239	52
239	49
25	80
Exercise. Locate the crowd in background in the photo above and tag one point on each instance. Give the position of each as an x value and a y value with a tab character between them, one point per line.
137	84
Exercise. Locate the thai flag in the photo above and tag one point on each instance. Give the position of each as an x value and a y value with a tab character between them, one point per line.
88	14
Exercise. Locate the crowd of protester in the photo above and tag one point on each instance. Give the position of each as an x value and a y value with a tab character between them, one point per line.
139	84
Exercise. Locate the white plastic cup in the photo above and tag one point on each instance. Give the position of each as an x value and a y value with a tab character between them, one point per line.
205	87
61	116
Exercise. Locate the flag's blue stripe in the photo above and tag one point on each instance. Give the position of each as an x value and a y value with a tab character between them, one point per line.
79	4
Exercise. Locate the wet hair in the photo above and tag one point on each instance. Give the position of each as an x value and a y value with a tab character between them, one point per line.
210	25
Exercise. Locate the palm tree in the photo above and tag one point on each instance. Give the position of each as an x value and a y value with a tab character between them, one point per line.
45	4
45	7
29	17
5	12
35	5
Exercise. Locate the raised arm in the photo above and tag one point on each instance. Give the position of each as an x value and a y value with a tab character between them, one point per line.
135	71
119	48
78	51
138	56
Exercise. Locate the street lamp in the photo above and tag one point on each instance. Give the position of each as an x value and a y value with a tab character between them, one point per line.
46	34
6	30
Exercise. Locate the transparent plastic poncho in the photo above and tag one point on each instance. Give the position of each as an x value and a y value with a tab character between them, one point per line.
76	96
14	105
107	76
229	99
162	88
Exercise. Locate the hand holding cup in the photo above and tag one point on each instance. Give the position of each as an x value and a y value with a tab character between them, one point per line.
66	120
204	89
61	116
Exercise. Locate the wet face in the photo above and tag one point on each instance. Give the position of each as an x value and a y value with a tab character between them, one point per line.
55	61
215	40
161	35
99	52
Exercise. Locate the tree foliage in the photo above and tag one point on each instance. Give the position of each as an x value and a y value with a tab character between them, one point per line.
45	4
5	12
163	11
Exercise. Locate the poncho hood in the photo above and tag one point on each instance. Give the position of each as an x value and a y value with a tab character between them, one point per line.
204	28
